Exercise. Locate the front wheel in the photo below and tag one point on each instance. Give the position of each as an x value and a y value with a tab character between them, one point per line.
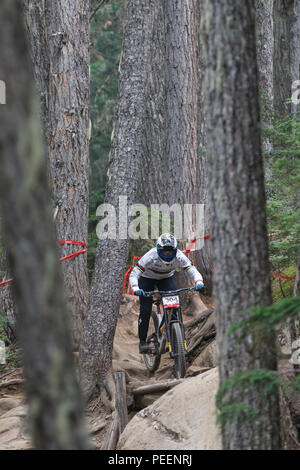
178	349
152	361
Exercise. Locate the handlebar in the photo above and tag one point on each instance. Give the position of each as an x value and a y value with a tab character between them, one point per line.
151	293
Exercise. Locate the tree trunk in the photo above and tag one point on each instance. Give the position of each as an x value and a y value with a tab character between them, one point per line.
182	96
182	111
59	37
241	274
170	158
286	52
265	51
124	170
204	256
154	169
264	47
55	407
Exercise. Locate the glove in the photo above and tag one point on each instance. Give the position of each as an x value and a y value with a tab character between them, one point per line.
139	292
199	286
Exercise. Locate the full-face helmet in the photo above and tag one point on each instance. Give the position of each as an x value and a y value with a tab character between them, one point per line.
166	246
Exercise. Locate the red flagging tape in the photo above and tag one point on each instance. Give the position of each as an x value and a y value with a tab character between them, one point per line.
71	242
5	282
190	245
126	278
282	277
65	258
127	274
72	255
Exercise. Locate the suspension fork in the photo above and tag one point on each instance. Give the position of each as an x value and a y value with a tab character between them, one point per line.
182	327
169	324
161	321
168	329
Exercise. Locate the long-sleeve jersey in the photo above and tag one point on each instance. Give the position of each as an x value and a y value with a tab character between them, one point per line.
153	267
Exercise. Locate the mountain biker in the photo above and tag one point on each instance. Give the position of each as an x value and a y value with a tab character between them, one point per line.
157	268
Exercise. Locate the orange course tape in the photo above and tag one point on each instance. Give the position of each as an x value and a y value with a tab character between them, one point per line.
282	277
65	258
72	255
5	282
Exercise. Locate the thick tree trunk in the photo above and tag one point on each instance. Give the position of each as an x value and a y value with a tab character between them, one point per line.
55	407
182	100
170	161
59	37
124	169
154	169
241	274
182	110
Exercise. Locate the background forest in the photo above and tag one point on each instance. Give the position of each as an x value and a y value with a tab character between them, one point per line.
282	191
181	102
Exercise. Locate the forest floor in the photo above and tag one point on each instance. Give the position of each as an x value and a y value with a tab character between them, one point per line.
13	410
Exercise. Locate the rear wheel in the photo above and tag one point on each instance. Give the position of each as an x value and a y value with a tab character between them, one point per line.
178	350
152	361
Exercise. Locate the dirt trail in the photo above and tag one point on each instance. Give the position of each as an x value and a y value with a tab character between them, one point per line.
13	427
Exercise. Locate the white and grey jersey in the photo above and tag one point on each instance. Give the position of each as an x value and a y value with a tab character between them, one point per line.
153	267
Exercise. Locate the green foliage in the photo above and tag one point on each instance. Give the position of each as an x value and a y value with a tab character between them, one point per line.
283	288
229	409
2	321
266	380
283	201
269	317
13	358
296	383
13	354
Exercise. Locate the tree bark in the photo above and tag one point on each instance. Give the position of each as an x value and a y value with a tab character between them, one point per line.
241	268
204	256
286	52
182	100
170	158
55	406
182	111
123	179
264	47
59	38
265	52
121	399
154	170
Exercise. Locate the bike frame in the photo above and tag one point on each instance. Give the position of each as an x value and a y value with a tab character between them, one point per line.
169	313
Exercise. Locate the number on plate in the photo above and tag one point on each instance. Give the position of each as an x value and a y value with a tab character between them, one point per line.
171	301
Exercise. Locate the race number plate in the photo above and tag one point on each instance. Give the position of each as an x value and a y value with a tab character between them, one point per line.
171	301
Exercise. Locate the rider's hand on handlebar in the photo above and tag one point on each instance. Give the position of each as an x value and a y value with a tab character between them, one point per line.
139	292
199	286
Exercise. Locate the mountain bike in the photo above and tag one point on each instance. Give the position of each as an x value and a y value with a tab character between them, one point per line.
166	328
